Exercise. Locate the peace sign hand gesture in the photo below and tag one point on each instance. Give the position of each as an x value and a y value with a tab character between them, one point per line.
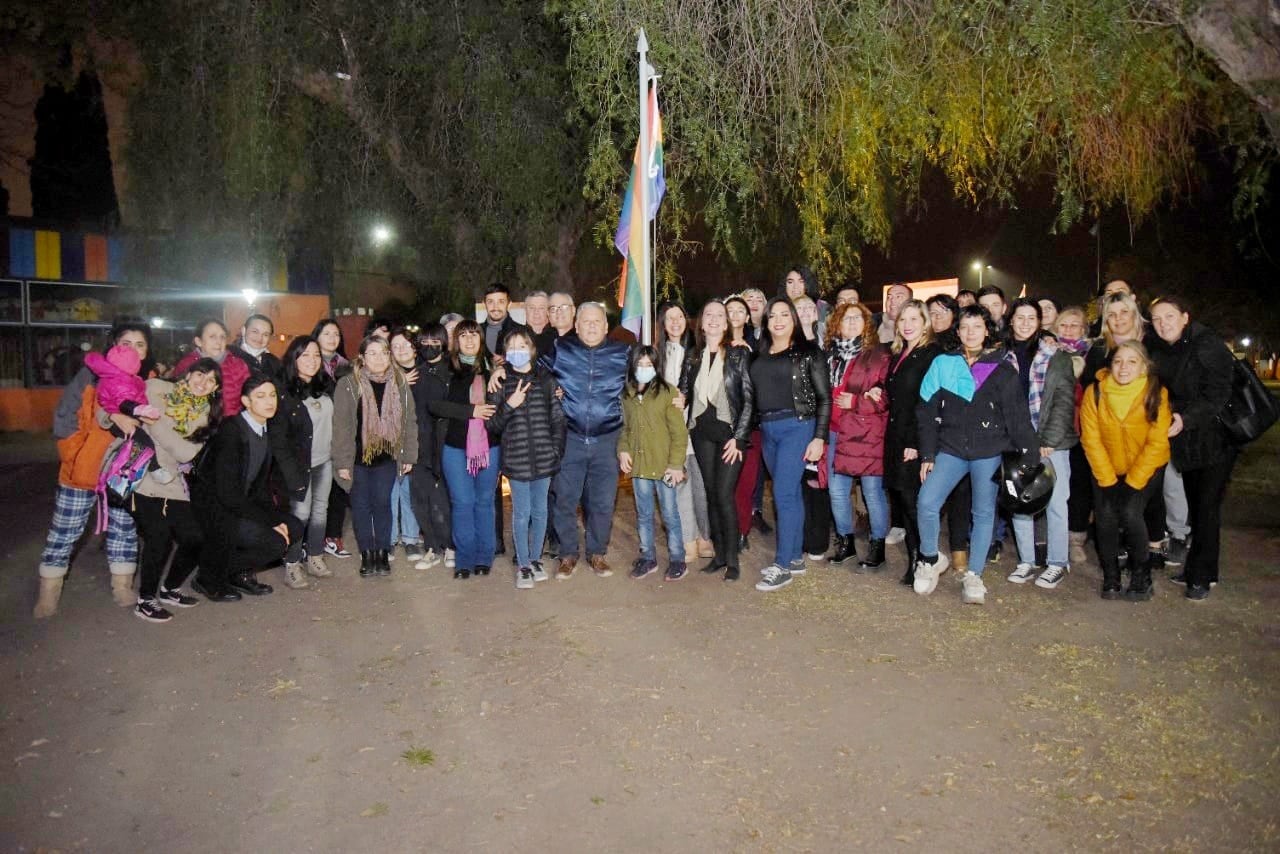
517	396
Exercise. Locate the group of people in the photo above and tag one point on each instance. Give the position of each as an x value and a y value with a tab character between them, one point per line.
256	461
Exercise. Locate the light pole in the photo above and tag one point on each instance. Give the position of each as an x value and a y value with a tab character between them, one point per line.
980	267
381	234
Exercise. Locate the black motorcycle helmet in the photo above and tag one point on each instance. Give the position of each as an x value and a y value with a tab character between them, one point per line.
1025	487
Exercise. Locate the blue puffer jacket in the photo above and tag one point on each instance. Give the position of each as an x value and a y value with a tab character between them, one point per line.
592	379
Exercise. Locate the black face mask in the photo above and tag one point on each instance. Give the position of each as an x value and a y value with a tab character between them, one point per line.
432	351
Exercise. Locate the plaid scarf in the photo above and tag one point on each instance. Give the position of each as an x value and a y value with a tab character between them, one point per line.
1039	368
379	430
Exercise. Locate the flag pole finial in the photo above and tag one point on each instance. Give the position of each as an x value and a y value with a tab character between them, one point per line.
642	43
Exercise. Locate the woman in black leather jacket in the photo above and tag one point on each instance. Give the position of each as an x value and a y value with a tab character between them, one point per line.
793	398
1195	365
720	400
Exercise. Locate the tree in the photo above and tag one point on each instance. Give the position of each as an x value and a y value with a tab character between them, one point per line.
819	119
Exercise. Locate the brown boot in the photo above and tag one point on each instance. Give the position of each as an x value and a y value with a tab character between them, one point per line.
122	590
565	571
50	593
960	560
600	566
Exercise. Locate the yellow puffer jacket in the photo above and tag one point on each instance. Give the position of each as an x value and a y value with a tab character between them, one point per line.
1128	445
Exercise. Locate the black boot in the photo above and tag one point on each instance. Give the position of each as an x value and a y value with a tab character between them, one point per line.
384	562
845	549
743	543
1111	580
757	519
874	559
1140	583
368	563
909	577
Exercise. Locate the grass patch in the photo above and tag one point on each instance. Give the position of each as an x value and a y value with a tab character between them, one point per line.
419	756
376	811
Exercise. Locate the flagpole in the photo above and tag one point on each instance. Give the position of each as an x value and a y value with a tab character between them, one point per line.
642	184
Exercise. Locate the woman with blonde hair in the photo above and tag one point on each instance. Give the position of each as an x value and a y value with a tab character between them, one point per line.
1124	428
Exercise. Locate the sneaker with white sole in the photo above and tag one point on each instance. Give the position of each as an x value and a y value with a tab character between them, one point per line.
1051	577
895	536
798	567
334	546
927	574
975	592
316	567
524	578
539	574
294	577
428	559
822	558
150	610
773	577
1024	573
448	558
177	598
642	567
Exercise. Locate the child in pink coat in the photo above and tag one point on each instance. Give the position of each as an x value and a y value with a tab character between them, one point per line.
121	391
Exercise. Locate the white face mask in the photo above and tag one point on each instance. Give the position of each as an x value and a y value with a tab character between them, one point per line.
645	374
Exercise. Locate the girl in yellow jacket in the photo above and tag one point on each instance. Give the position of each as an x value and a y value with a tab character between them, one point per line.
1124	428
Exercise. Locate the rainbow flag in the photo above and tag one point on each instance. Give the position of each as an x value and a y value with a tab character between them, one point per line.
631	227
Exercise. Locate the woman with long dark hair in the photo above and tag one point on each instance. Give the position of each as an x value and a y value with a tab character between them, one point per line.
675	348
1049	383
301	432
375	439
793	399
190	412
973	411
333	359
427	486
1196	367
471	462
721	408
404	524
1124	428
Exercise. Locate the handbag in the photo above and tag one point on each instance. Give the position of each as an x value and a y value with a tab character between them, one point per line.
1251	409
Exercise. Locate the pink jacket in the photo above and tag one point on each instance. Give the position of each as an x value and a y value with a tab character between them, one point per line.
118	381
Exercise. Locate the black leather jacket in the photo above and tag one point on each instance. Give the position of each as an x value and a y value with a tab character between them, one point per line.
810	387
739	389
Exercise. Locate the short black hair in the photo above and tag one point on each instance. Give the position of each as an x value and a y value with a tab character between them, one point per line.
981	312
989	290
375	322
255	380
498	288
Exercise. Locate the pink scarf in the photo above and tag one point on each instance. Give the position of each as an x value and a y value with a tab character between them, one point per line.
477	435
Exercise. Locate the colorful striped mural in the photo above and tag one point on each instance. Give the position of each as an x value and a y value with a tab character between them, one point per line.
64	256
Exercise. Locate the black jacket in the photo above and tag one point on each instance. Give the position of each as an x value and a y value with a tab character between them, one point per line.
996	420
455	408
432	386
289	433
532	435
810	386
1196	369
509	325
903	387
267	363
739	389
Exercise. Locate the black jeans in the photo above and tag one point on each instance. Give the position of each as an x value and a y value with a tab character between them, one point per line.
338	503
161	523
1122	509
959	509
905	500
720	480
430	497
257	544
1080	501
1206	487
817	516
371	504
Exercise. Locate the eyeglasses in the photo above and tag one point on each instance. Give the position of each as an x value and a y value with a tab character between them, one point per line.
555	309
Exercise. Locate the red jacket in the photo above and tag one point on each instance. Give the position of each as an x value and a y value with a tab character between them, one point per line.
860	429
234	373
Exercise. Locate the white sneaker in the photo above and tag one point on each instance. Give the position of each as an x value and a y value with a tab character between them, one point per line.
428	560
1051	577
539	574
927	574
316	566
773	577
895	536
1024	573
975	592
448	558
524	579
816	558
294	577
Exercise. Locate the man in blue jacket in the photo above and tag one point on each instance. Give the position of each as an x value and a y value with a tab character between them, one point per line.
591	371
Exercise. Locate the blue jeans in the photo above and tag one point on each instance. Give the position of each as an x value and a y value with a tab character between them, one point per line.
313	512
404	525
371	504
1024	527
645	491
784	444
528	518
841	488
588	475
947	472
471	502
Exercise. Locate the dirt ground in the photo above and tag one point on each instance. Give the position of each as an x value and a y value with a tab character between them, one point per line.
419	713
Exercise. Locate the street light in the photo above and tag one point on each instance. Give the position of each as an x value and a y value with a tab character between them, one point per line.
980	267
381	234
1245	341
250	295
